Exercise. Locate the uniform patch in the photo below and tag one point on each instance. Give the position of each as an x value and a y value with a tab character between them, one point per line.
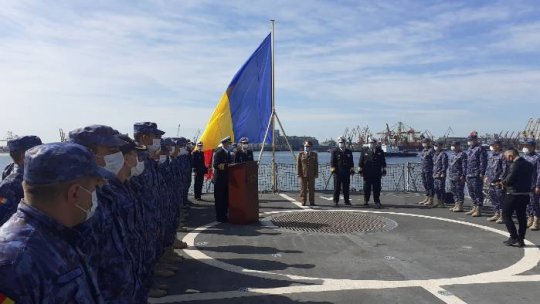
5	300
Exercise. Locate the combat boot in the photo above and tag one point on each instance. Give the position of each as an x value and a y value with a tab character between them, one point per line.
424	201
494	218
470	212
439	204
453	209
459	207
155	292
500	220
477	212
163	273
536	224
530	221
180	245
429	201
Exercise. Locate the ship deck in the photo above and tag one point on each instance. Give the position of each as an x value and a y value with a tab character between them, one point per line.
403	253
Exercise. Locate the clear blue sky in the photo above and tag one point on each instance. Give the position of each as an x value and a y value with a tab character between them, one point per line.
431	64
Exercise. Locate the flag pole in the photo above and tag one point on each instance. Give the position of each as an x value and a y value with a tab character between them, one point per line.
274	175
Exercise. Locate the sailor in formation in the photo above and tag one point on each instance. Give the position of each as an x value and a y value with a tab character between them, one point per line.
106	208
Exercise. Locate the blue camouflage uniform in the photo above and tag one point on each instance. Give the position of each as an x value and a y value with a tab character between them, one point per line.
40	261
146	188
496	171
440	165
476	167
456	173
533	208
427	170
106	241
11	191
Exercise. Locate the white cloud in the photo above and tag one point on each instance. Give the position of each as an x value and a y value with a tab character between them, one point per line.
66	64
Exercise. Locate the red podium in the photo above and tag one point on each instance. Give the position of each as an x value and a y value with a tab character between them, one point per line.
244	193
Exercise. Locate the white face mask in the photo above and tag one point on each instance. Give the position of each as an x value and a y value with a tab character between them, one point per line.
156	144
371	145
138	170
525	150
162	159
453	148
92	211
341	145
183	151
491	148
307	149
436	148
425	145
244	146
470	143
114	162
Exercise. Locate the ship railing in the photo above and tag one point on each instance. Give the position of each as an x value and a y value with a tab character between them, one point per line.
404	177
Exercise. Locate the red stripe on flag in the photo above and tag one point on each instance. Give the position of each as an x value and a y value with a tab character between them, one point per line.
208	154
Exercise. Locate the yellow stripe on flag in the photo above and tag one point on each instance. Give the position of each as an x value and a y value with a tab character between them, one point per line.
219	126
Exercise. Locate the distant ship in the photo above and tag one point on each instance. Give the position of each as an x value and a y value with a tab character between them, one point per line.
10	136
393	151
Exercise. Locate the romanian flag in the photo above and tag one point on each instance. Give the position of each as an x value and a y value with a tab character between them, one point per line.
245	108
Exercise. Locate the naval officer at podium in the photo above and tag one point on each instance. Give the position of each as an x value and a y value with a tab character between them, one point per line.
221	161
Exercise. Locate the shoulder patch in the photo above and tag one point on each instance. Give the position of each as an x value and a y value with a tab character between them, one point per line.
5	300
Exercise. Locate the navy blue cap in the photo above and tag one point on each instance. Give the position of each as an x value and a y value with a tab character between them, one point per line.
60	162
181	141
23	143
147	128
96	135
169	141
495	142
129	144
529	142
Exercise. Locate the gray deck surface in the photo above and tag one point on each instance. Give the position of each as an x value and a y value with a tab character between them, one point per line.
431	256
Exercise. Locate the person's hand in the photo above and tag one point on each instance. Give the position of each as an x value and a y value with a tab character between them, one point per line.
537	191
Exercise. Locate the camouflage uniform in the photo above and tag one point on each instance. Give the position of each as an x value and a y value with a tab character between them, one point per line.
427	170
476	167
533	208
456	173
495	171
440	165
40	260
11	191
41	263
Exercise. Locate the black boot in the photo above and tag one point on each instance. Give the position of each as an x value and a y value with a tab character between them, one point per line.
511	241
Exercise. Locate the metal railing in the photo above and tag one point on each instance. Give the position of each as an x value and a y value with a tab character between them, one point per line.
399	178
